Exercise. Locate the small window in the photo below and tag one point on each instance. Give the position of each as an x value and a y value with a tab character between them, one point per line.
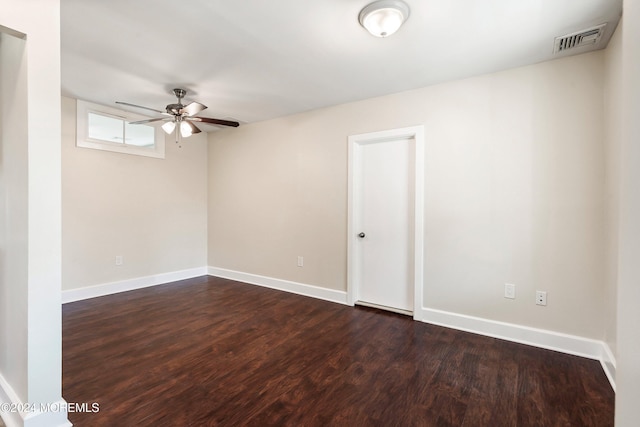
107	128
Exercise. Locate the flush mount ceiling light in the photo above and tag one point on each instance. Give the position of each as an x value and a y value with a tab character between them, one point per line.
384	17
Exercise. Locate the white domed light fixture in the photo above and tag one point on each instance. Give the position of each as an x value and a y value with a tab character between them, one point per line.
384	17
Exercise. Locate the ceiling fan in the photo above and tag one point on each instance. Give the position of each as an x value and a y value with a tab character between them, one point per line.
181	116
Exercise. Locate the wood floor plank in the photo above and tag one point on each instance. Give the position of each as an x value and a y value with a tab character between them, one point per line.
214	352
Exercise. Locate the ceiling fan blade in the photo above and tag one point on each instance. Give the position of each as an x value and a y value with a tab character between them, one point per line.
214	121
193	108
140	106
194	128
140	122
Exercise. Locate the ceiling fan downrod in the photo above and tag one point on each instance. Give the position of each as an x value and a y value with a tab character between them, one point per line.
179	93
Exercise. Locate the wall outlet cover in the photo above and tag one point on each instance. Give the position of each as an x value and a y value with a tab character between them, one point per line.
541	298
509	291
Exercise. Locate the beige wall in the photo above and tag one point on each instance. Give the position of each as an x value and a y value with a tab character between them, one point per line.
613	94
628	288
513	193
14	227
30	309
150	211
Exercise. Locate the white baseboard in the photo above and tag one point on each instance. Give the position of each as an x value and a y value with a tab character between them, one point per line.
608	362
78	294
7	395
30	419
565	343
282	285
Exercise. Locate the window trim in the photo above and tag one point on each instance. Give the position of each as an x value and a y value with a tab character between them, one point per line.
83	108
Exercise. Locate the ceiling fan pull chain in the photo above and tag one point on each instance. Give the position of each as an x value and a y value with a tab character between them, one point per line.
179	137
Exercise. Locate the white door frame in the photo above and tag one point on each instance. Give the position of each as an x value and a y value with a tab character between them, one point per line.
354	190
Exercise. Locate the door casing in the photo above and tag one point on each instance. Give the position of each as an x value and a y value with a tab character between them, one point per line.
415	133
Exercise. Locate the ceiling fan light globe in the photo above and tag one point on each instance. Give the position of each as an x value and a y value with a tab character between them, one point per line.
169	127
185	130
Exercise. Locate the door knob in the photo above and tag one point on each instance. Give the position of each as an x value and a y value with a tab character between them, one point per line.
361	235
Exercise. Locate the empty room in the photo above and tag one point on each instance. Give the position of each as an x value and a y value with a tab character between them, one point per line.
341	212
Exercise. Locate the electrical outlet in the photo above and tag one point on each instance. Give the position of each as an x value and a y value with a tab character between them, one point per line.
509	291
541	298
119	260
300	261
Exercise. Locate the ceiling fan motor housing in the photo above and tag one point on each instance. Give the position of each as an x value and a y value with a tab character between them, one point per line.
175	109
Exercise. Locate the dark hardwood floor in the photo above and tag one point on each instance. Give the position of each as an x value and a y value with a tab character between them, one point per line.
209	351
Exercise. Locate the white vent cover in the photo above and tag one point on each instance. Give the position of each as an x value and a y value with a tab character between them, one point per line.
588	37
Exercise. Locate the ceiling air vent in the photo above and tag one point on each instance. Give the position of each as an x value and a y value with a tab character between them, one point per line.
589	37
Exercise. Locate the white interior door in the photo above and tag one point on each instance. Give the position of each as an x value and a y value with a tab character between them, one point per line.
383	221
385	214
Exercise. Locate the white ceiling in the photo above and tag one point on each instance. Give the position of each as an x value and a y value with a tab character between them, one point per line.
251	60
